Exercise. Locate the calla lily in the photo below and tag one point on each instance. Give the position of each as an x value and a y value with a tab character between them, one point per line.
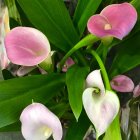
101	105
26	46
4	29
122	83
39	123
69	62
136	91
23	70
94	79
113	21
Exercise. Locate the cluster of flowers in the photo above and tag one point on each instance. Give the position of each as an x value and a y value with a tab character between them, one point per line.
29	47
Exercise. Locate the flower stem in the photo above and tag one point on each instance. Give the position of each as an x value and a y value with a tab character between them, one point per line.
89	39
103	70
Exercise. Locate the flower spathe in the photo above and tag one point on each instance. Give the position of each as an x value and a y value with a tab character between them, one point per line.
101	105
115	20
122	83
69	62
136	91
26	46
39	123
91	82
4	29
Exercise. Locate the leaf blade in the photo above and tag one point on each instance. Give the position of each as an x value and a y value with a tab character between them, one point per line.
81	16
11	107
128	52
75	80
56	25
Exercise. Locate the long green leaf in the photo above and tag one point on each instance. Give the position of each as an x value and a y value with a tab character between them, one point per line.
52	18
75	80
85	9
128	56
16	94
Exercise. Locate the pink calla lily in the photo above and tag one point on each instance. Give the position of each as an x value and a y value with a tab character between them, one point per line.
122	83
115	20
101	105
26	46
69	62
136	91
39	123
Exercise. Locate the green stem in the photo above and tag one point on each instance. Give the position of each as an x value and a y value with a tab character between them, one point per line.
104	46
103	70
89	39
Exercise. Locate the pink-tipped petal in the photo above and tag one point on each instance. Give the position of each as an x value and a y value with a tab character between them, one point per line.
94	80
136	91
122	18
100	108
26	46
39	123
122	83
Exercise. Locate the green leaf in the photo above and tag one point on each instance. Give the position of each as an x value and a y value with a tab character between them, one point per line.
12	127
16	94
77	130
52	18
85	9
12	9
59	109
75	80
128	56
136	4
114	130
7	74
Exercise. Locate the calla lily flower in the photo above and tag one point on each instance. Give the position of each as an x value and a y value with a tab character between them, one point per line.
122	83
101	105
23	70
136	91
4	29
69	62
39	123
27	46
115	20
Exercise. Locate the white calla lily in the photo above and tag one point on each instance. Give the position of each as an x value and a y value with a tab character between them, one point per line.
101	106
39	123
94	79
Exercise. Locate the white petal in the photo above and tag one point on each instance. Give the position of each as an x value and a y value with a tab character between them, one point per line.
23	70
94	80
100	108
38	123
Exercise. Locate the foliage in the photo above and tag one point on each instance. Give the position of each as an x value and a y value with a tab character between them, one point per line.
62	92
